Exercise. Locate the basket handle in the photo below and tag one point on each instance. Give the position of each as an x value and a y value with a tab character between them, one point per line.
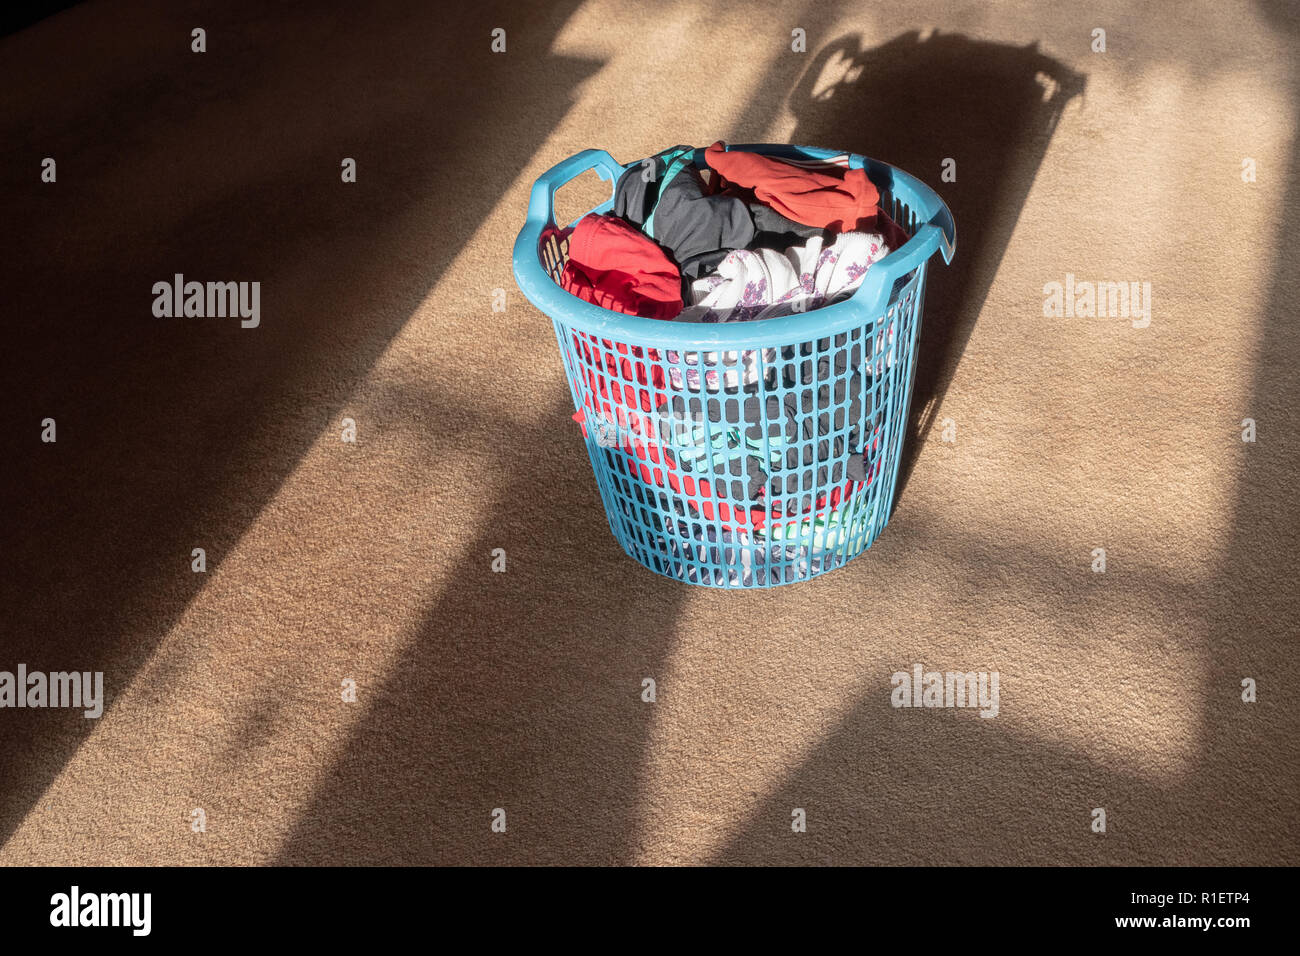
940	233
541	204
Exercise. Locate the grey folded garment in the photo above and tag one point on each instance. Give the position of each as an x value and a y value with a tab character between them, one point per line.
696	227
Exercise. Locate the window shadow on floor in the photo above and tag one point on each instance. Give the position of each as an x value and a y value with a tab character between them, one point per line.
915	102
520	690
174	433
909	787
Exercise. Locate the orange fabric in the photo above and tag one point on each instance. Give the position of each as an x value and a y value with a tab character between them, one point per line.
615	266
827	200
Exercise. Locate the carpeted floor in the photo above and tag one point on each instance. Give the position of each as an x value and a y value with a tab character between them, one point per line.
371	561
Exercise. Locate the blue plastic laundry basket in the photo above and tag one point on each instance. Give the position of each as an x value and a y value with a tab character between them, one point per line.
675	415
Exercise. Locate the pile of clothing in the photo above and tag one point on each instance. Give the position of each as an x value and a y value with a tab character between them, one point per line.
751	237
761	237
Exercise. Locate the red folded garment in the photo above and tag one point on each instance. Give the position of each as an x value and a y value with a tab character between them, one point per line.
825	199
615	266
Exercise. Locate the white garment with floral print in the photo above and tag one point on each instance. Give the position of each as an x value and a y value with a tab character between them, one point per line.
752	284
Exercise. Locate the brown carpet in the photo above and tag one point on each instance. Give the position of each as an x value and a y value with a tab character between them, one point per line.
521	690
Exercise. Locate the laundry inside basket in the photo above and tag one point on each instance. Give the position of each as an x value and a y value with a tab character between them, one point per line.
755	238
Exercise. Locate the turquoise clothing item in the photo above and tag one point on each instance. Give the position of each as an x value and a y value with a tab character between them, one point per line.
675	160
